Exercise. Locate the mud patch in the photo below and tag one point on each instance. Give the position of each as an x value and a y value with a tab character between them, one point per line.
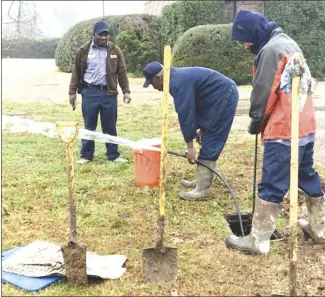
160	263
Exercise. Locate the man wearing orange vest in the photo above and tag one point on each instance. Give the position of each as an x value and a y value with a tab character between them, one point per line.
270	114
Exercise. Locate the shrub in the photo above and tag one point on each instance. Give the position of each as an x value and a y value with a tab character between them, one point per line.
137	51
29	48
304	21
83	32
180	16
211	46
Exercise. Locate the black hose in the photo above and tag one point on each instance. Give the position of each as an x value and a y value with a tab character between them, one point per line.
255	169
223	180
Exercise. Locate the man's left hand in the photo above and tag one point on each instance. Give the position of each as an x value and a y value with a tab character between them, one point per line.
127	98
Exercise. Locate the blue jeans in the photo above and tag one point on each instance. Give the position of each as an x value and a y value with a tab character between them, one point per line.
276	172
213	141
95	102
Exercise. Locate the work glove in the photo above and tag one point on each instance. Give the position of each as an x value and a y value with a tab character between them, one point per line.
73	101
253	128
126	98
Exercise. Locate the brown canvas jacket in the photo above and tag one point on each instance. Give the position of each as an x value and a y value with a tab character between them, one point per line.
115	68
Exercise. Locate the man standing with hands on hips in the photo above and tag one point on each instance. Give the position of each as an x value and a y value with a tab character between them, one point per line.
99	66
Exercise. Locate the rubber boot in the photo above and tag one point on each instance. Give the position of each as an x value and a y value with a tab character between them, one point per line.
315	226
204	179
188	184
263	226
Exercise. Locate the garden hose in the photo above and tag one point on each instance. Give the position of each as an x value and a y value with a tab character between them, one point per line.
223	180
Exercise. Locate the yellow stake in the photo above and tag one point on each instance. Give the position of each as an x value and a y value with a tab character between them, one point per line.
163	156
294	185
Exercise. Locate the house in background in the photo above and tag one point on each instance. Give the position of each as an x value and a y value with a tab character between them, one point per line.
232	7
155	7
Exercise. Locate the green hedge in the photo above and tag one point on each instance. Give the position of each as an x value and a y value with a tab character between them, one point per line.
304	21
137	51
211	46
83	32
180	16
29	48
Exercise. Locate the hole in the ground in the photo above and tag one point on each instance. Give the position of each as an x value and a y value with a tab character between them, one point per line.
234	225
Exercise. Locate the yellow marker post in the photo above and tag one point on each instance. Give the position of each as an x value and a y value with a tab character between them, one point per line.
294	185
160	263
164	131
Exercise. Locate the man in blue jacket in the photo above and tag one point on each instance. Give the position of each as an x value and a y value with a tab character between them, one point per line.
205	100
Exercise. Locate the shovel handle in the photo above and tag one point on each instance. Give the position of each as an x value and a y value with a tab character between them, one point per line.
294	185
70	173
164	134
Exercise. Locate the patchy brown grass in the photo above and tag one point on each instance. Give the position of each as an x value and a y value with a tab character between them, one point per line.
114	216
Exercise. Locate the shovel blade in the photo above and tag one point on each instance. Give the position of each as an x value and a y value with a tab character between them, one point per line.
159	266
74	255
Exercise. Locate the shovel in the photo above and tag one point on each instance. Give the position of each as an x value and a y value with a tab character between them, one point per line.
74	254
247	218
160	263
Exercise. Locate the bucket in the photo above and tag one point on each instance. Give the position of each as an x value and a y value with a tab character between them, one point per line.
234	224
147	165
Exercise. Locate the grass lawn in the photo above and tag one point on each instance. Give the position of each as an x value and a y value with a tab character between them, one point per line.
114	216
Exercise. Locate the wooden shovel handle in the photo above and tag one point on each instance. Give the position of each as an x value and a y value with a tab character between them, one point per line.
70	173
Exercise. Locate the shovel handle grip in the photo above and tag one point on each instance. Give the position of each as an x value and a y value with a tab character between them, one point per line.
65	124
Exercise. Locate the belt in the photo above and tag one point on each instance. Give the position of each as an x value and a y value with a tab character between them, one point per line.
101	87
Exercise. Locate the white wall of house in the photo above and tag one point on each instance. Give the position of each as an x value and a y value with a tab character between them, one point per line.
155	7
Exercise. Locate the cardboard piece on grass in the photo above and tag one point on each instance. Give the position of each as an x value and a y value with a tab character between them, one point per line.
30	284
41	258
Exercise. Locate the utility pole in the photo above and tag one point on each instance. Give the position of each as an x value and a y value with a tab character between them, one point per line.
103	9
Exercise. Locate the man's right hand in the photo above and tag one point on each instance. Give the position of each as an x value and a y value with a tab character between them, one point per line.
191	155
73	101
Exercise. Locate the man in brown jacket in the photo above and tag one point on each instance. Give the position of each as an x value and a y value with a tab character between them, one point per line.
99	66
